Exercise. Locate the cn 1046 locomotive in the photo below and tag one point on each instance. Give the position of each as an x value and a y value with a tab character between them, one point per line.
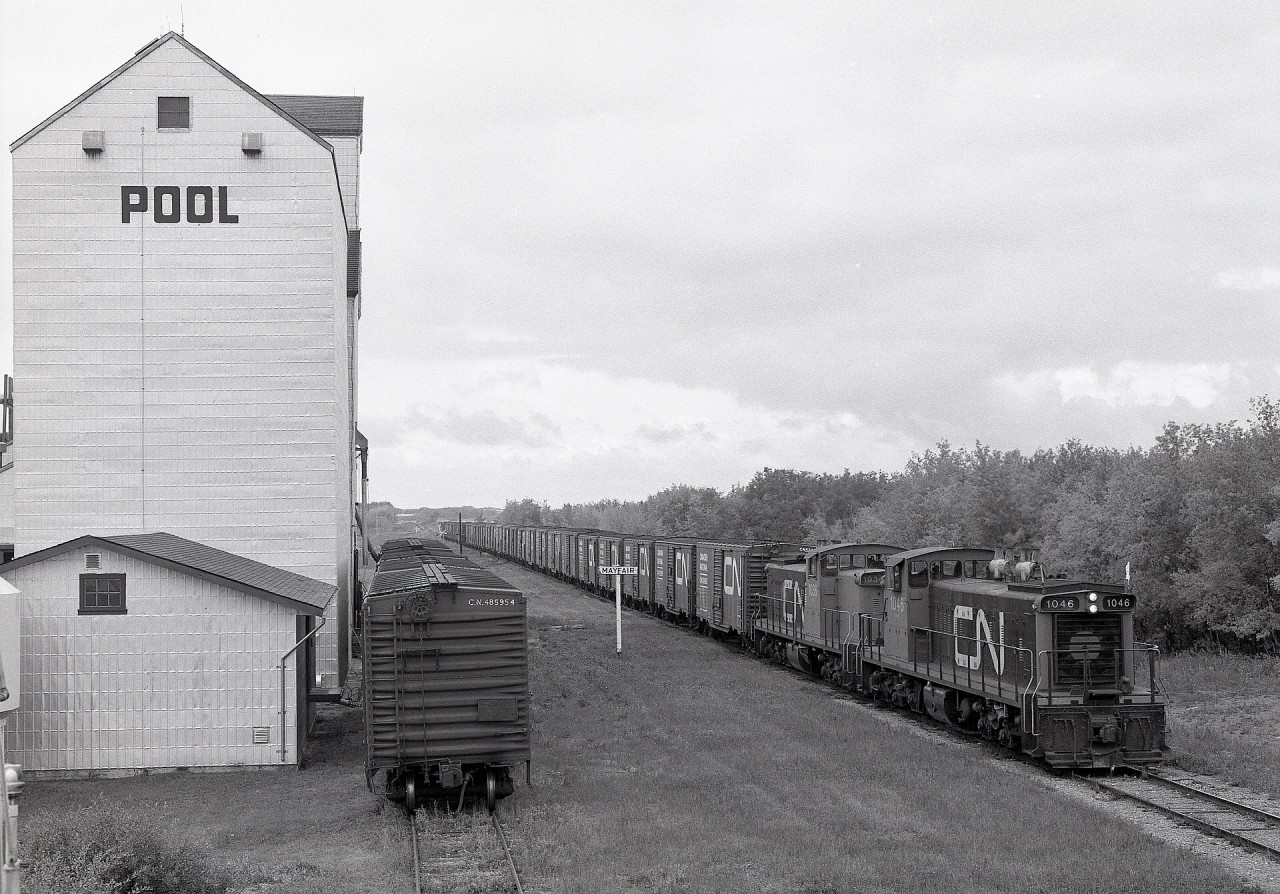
446	676
988	644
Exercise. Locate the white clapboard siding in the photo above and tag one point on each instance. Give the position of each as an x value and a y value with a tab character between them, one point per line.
185	377
181	680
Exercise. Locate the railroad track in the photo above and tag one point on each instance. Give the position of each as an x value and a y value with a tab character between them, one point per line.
1192	801
455	852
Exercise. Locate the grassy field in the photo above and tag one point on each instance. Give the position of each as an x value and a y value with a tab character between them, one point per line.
1224	717
682	767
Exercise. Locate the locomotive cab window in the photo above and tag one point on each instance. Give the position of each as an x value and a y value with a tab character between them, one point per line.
102	594
173	112
950	569
830	567
918	575
977	568
895	578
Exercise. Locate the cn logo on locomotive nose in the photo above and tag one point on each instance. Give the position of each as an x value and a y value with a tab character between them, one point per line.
167	204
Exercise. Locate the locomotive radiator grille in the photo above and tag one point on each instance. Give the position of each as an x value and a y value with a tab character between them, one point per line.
1086	644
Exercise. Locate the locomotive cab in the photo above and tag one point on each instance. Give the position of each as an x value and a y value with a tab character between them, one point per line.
809	615
838	588
907	628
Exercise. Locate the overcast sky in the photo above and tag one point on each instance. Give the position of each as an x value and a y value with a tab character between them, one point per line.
610	247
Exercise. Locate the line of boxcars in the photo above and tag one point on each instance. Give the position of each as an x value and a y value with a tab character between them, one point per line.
983	642
445	662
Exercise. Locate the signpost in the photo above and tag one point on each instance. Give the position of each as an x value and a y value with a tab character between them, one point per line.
617	571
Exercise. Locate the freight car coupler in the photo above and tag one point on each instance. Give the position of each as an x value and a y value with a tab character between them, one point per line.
450	775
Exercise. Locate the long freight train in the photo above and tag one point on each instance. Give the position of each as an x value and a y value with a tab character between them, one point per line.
988	644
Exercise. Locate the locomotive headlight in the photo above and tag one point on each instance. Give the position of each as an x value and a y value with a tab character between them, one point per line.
1093	609
1093	597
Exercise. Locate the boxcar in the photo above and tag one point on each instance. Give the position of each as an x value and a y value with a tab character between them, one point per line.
613	551
732	582
637	589
676	585
588	558
446	676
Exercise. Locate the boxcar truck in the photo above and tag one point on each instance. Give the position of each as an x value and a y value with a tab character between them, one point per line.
10	780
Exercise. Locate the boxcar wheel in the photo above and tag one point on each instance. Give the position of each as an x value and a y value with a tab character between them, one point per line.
411	794
491	789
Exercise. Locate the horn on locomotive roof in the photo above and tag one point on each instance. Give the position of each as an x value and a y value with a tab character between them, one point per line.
1017	563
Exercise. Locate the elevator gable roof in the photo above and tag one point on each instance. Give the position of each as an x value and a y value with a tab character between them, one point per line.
144	53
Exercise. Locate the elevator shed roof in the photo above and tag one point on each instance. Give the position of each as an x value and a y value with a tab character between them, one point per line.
307	595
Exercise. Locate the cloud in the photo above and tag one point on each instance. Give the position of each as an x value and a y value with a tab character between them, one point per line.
1261	279
630	245
552	431
487	429
1129	383
671	434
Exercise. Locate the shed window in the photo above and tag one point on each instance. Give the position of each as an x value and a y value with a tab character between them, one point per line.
173	111
102	594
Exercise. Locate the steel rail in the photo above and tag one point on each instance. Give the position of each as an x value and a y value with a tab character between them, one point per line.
417	861
506	849
1265	815
502	839
1271	822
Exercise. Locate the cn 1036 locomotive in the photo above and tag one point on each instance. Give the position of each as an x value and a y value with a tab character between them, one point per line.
984	642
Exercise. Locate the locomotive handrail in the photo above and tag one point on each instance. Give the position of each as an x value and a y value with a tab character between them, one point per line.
1019	651
1151	651
1029	706
853	628
781	624
865	620
1086	680
837	612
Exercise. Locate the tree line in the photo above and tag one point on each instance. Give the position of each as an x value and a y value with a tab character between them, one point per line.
1195	518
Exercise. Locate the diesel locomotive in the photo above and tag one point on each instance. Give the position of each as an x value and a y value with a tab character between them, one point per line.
982	641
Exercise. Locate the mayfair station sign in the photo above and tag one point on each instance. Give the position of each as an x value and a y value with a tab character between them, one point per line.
167	205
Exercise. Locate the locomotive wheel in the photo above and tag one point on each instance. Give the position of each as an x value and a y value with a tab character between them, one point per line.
411	794
491	789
